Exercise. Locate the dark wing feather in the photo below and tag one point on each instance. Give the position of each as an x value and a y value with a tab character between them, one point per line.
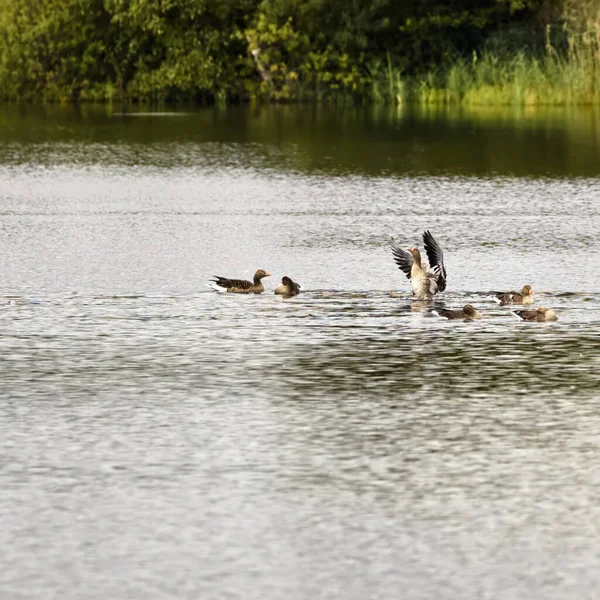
403	258
447	314
436	259
508	298
240	284
526	315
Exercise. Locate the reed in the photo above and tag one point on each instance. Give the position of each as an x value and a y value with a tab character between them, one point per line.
387	85
396	84
499	78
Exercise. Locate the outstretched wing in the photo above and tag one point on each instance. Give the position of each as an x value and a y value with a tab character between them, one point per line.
436	259
403	258
239	284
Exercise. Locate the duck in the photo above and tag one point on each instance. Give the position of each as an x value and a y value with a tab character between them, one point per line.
240	286
525	297
426	281
468	313
287	287
540	314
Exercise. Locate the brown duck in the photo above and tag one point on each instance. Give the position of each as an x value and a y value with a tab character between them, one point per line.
240	286
540	314
468	313
287	287
426	280
525	297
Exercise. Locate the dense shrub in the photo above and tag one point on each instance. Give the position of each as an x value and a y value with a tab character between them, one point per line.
288	50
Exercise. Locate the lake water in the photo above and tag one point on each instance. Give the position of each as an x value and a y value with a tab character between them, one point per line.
159	440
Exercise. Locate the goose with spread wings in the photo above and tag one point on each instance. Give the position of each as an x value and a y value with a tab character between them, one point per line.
426	281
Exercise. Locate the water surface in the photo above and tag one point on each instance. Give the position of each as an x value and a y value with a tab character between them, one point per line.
162	441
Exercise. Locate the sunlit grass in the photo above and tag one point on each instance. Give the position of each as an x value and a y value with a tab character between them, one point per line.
491	79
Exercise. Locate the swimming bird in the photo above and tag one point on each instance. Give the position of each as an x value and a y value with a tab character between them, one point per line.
539	314
468	313
525	297
426	281
287	287
240	286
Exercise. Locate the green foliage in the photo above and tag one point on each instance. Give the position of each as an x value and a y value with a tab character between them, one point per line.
50	48
178	49
464	51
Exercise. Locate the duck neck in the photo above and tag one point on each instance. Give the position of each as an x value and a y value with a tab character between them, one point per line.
257	280
417	261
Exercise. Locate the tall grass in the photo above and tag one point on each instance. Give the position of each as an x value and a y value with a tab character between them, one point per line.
496	78
386	82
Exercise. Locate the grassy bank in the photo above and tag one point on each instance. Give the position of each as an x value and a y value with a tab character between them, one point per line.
490	79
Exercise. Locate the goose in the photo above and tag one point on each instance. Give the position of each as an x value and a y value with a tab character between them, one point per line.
525	297
287	287
240	286
539	314
468	313
426	281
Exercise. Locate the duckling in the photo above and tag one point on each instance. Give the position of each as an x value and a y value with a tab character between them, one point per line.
287	287
468	313
240	286
540	314
525	297
426	281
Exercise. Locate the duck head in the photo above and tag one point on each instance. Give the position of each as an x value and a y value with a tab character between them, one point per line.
527	290
471	311
547	314
260	274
